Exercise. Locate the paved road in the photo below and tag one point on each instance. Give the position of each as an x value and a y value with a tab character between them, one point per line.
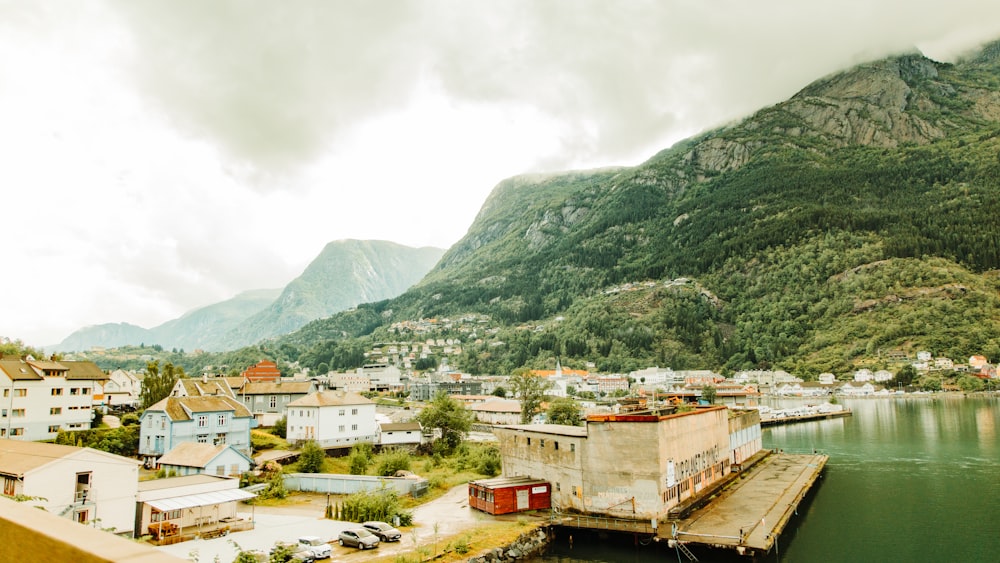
450	513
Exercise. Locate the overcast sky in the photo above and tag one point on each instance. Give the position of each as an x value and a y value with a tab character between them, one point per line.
159	156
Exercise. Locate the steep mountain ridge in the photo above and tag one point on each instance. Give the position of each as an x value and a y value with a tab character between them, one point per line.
893	161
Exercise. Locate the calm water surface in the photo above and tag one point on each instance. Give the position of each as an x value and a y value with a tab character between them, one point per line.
915	480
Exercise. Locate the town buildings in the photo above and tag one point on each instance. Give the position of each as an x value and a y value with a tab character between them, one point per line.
267	400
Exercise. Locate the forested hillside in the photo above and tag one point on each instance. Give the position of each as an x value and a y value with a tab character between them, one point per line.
858	217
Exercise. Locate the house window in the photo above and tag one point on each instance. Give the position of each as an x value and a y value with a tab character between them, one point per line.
74	390
56	391
163	423
6	392
341	428
17	431
8	486
354	427
20	392
556	444
3	413
234	469
202	420
17	413
529	441
220	439
272	401
220	469
203	438
55	411
54	428
572	447
222	420
542	442
341	412
354	411
86	390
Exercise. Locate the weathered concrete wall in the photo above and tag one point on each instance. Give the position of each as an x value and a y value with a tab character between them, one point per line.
348	484
556	458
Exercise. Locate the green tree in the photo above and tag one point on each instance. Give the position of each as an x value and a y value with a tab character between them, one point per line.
280	427
530	390
391	460
905	375
312	458
564	411
360	458
970	383
931	383
449	418
157	385
708	394
500	392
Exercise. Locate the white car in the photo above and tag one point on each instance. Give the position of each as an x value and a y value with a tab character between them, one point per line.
319	548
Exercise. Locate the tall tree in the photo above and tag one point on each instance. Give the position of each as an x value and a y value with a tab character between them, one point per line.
530	390
449	417
157	385
564	411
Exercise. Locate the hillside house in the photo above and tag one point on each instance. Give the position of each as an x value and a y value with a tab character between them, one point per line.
207	420
331	418
81	484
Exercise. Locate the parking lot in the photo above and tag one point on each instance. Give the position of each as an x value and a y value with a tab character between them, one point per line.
444	516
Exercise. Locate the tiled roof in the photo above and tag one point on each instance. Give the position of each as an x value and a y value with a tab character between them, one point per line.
330	399
273	388
399	426
180	408
84	370
192	454
17	457
18	370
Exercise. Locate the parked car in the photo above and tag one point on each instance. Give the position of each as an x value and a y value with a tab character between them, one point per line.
319	548
360	538
384	531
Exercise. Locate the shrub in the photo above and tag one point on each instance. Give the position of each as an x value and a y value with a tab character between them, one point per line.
392	460
280	427
130	419
360	458
381	504
312	458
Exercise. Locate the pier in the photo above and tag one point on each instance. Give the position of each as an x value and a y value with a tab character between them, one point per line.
803	418
751	513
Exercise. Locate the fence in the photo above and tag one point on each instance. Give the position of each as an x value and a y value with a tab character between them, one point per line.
348	484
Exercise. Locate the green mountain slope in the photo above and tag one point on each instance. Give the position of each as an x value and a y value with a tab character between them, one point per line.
859	216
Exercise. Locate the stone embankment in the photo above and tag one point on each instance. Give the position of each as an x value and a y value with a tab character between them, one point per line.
526	545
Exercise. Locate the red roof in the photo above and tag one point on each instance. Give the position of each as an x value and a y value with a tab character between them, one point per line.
262	371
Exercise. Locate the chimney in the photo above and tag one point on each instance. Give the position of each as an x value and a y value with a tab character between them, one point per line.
204	378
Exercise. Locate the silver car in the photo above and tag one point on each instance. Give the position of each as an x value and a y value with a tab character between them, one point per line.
360	538
384	531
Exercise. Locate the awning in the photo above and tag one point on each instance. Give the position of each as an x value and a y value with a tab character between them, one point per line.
203	499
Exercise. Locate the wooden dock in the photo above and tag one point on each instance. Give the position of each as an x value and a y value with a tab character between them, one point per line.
750	514
804	418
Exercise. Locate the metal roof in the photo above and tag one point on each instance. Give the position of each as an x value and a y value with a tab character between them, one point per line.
201	499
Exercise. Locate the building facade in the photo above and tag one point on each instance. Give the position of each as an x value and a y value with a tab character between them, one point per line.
81	484
39	398
207	420
331	418
672	457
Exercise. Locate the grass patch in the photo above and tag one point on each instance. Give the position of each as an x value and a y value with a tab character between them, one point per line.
264	440
460	546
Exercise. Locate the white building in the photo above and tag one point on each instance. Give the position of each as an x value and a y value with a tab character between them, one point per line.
827	378
81	484
400	433
122	388
331	418
382	376
39	398
864	374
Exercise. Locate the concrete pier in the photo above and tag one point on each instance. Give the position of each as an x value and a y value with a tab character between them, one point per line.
751	513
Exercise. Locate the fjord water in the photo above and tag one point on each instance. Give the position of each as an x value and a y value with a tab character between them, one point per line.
909	479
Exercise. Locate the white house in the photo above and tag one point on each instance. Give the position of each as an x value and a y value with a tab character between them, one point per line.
331	418
400	433
190	458
863	374
882	375
82	484
500	411
122	388
39	398
858	389
827	378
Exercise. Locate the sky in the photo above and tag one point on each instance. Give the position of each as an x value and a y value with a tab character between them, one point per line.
160	156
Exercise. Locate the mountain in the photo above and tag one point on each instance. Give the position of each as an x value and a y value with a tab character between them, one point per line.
345	273
856	218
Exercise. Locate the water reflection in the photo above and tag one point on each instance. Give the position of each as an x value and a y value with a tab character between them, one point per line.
909	479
